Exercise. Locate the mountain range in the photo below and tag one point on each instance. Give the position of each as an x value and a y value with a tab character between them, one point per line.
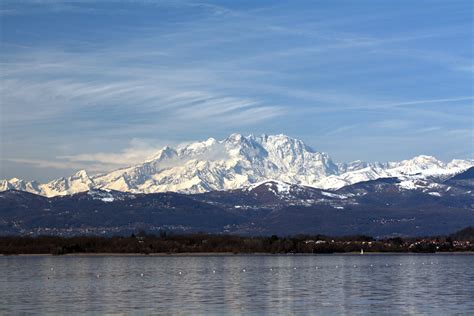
241	161
381	207
248	185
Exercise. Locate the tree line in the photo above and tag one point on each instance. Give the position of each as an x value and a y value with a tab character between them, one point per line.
166	243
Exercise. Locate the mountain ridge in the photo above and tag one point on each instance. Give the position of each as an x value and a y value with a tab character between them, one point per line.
239	161
381	207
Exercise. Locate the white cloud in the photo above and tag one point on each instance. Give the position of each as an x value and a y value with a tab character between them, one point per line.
137	152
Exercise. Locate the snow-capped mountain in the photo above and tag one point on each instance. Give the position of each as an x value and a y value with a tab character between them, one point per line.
380	207
409	171
221	165
19	184
239	161
78	182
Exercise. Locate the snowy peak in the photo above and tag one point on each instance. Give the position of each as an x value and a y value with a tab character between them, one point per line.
196	149
419	163
20	185
164	154
460	164
80	175
410	172
78	182
274	186
424	161
284	143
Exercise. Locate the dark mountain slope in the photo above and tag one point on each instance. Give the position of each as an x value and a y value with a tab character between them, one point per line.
381	207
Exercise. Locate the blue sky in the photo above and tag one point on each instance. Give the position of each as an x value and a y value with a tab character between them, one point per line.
100	86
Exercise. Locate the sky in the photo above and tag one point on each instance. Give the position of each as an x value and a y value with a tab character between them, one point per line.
98	86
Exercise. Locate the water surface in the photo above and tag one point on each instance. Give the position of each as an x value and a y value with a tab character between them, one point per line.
323	284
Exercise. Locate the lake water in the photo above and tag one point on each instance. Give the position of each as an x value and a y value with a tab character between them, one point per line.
322	284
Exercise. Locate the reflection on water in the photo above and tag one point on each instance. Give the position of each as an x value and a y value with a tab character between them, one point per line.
351	284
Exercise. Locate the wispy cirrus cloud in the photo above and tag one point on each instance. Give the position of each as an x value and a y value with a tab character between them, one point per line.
51	90
57	164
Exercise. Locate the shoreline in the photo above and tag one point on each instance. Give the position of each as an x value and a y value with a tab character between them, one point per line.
229	254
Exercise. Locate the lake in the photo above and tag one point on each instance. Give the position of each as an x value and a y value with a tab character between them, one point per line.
258	284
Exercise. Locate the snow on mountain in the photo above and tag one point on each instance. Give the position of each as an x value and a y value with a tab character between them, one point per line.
19	184
410	171
277	187
239	161
79	182
221	165
109	196
358	165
